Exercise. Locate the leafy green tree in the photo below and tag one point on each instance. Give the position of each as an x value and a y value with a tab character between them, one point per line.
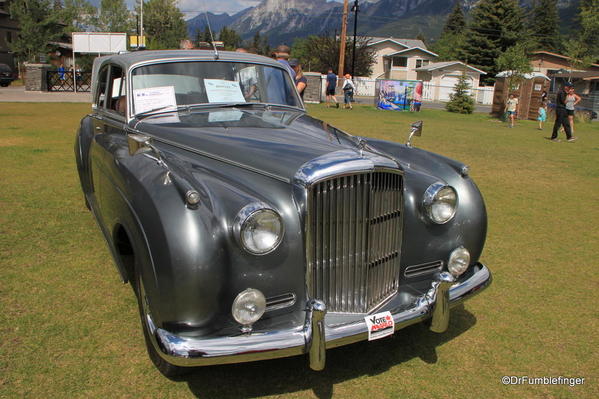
578	52
544	25
589	27
460	101
516	62
39	25
318	53
114	17
230	38
163	24
495	27
78	15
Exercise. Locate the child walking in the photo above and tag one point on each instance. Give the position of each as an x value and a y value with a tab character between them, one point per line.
542	114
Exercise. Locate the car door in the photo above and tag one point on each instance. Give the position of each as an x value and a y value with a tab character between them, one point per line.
109	144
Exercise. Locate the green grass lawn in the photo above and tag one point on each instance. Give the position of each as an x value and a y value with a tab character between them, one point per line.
69	328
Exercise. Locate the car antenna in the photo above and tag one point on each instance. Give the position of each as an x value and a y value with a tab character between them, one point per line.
211	35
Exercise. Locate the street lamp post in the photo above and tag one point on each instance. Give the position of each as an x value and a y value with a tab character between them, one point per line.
355	8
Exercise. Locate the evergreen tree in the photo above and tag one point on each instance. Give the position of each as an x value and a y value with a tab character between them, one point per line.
259	45
39	25
456	22
544	25
495	27
460	101
231	40
448	46
164	24
114	17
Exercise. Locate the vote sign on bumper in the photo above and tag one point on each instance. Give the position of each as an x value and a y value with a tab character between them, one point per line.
379	325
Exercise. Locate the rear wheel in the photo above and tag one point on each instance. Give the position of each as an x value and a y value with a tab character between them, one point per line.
167	369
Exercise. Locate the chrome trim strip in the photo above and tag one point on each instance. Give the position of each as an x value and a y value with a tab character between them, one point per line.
423	268
340	163
186	351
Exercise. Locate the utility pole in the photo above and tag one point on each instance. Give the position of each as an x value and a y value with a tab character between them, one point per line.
141	27
342	44
355	8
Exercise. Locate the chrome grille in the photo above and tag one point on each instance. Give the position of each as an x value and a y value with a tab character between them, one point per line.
354	233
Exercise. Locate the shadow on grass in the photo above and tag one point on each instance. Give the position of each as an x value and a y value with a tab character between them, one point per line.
288	375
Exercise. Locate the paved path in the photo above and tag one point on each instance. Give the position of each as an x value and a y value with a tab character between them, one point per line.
18	94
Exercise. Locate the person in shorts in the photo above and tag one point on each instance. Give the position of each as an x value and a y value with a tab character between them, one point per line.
511	107
330	88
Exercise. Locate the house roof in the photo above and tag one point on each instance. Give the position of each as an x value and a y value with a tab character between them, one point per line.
411	49
440	65
586	75
407	43
563	57
532	75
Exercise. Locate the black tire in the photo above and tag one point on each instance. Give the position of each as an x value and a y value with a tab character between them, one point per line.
4	84
167	369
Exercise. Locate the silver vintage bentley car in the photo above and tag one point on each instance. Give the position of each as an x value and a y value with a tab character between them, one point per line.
250	230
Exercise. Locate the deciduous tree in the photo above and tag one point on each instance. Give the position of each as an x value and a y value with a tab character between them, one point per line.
40	24
318	53
163	24
113	16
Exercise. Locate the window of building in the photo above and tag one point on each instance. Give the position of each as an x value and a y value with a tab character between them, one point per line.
421	63
8	36
400	62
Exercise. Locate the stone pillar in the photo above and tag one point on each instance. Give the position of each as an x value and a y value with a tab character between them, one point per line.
35	77
314	88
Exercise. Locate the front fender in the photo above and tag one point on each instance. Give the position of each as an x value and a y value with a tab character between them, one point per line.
427	241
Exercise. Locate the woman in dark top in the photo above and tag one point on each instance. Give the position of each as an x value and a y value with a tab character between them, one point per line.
301	82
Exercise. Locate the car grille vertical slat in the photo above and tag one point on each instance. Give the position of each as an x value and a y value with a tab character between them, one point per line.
355	223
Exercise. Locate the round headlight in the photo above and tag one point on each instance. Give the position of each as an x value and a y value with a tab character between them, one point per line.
260	229
248	307
440	203
459	260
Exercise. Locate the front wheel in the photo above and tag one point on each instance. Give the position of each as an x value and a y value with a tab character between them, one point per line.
167	369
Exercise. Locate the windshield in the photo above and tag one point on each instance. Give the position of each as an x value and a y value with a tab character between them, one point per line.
176	84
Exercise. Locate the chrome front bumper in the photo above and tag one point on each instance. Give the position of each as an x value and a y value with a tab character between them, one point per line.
315	337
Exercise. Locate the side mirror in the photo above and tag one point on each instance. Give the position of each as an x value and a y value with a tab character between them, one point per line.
138	143
416	131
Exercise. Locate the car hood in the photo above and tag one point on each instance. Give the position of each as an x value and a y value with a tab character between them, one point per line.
277	143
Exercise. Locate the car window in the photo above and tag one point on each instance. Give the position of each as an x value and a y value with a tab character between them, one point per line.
117	99
204	82
102	86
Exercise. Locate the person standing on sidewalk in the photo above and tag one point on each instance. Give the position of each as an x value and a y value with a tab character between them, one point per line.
330	89
561	115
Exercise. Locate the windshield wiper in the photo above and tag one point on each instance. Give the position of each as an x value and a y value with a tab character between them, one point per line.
156	111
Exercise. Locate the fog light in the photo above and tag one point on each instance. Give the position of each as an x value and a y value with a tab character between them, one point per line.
248	307
459	260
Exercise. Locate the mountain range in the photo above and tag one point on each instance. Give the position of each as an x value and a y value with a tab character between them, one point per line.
284	20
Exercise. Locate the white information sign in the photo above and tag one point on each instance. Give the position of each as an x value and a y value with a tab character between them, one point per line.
380	325
94	42
154	98
223	91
